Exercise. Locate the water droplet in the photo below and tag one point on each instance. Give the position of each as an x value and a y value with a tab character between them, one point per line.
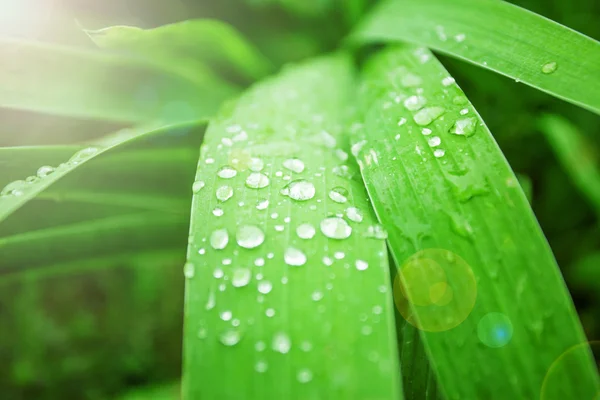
260	346
304	375
189	270
427	115
356	147
217	212
361	265
202	333
261	366
82	155
256	164
294	257
341	154
269	312
410	80
439	153
434	141
316	296
219	239
376	232
299	190
281	343
226	172
549	68
338	194
305	231
354	214
225	315
402	121
16	188
218	273
230	337
197	186
464	126
447	81
460	37
257	180
460	225
249	236
241	277
327	139
335	228
294	164
224	193
44	171
414	103
262	204
265	287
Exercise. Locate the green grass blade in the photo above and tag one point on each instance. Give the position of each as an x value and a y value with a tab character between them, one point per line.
499	36
170	391
577	154
279	315
189	47
92	84
480	280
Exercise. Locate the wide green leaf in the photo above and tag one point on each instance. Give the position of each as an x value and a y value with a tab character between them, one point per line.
288	292
499	36
189	47
93	84
476	275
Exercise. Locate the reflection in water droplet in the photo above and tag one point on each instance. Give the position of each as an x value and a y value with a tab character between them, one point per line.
335	228
294	257
249	236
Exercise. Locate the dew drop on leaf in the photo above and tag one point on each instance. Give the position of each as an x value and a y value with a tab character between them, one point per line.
241	277
44	171
294	164
414	103
427	115
226	172
197	186
299	190
305	231
354	214
438	153
257	180
218	212
335	228
224	193
249	236
265	287
434	141
219	239
294	257
549	68
281	343
361	265
230	337
464	126
189	270
256	164
304	375
376	232
339	194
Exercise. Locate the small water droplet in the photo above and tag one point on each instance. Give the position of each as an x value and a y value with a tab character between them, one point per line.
335	228
434	141
304	375
269	312
410	80
249	236
217	212
464	126
241	277
256	164
294	257
224	193
82	155
460	37
226	172
257	180
281	343
427	115
197	186
230	337
356	147
300	190
219	239
376	232
294	164
262	204
44	171
447	81
402	121
438	153
354	214
305	231
225	315
189	270
414	103
316	296
361	265
261	366
265	287
338	194
549	68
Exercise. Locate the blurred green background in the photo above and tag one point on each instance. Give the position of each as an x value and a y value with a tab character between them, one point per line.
95	331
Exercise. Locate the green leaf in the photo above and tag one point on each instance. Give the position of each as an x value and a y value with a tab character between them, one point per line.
93	84
158	392
277	314
499	36
577	154
476	274
189	47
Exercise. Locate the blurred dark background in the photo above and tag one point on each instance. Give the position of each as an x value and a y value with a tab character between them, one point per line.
285	32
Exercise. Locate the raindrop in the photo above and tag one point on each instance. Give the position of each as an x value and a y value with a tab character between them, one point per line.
427	115
197	186
434	141
224	193
438	153
304	375
219	239
361	265
464	126
230	337
265	287
316	296
549	67
402	121
411	80
460	37
335	228
249	236
294	257
376	232
217	212
338	194
294	164
241	277
189	270
447	81
256	164
218	273
226	172
225	315
269	312
262	204
257	180
15	188
44	171
354	214
281	343
305	231
356	147
82	155
299	190
261	366
339	255
414	103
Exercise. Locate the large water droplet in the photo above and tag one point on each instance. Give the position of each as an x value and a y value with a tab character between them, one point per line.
438	153
427	115
224	193
414	103
16	188
226	172
305	231
549	68
299	190
230	337
294	257
44	171
257	180
218	212
249	236
464	126
361	265
294	164
434	141
281	343
241	277
336	228
219	239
